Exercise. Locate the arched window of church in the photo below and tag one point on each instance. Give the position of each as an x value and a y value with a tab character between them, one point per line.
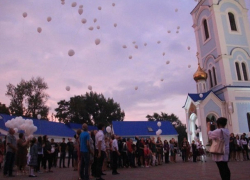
232	21
215	80
210	78
238	71
244	70
206	32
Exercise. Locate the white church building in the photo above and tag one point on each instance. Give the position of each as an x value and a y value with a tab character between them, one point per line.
223	76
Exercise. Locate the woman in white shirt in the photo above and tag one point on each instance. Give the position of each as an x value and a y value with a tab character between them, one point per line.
221	160
243	143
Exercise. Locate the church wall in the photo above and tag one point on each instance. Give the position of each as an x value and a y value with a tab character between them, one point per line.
211	106
242	110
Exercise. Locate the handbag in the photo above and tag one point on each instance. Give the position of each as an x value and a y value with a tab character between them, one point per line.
218	146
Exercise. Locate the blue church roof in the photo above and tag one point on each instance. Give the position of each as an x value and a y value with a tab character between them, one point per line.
141	128
44	127
196	97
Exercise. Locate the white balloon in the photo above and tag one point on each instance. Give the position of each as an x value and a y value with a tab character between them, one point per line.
115	25
136	88
62	2
95	20
162	79
167	62
67	88
74	4
145	44
39	29
124	46
169	31
98	27
80	11
91	28
16	130
97	41
39	116
113	4
71	52
133	42
159	124
189	66
178	27
49	19
160	131
176	10
90	88
177	32
108	129
201	95
130	57
25	14
99	8
136	46
84	20
81	6
163	53
188	47
158	42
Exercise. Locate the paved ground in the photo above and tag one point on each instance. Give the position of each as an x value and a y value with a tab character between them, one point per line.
173	171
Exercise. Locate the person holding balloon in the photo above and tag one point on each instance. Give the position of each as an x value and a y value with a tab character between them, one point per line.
21	154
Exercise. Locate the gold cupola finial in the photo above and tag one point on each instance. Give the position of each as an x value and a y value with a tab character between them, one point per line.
199	74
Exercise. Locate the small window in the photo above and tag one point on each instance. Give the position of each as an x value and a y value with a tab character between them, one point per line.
215	80
238	71
150	129
248	121
243	65
232	21
210	78
205	29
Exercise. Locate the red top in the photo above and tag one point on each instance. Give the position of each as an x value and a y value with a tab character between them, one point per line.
129	146
146	151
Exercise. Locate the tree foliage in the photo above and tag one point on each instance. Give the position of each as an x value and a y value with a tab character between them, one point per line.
91	108
4	109
178	125
28	98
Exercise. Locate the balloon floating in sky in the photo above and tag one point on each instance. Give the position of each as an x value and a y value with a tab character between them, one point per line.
136	88
81	6
25	14
124	46
158	42
178	27
99	8
39	116
84	20
71	52
169	31
162	79
62	2
130	57
115	25
74	4
136	47
113	4
145	44
133	42
98	27
176	10
177	32
90	88
49	19
189	66
97	41
163	53
188	47
91	28
39	29
95	20
201	95
80	11
167	62
67	88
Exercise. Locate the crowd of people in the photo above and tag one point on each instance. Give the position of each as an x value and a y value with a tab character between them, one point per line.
92	153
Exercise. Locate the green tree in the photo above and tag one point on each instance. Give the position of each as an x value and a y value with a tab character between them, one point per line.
4	109
91	108
28	98
178	125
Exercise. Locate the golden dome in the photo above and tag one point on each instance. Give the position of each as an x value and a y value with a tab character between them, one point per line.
200	74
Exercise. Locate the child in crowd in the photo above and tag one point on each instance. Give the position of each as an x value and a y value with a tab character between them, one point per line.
146	155
33	157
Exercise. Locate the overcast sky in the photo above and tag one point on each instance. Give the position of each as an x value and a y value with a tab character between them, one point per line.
25	53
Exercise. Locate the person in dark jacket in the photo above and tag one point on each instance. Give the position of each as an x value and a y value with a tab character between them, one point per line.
47	153
194	150
40	153
33	157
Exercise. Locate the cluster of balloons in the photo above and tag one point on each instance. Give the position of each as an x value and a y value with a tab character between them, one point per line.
19	123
